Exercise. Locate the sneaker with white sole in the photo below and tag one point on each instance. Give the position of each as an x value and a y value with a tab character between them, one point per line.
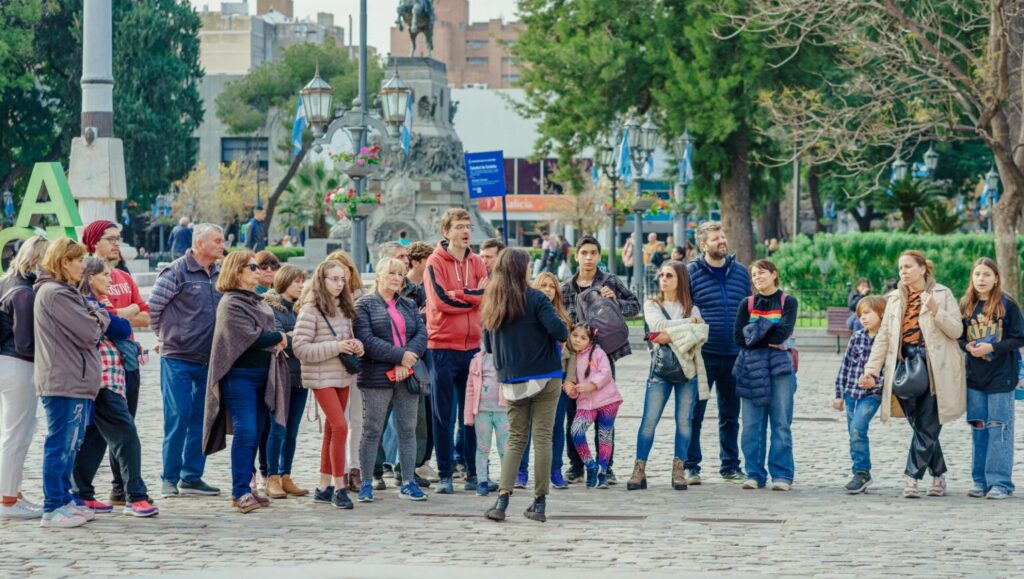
938	488
197	487
910	490
977	491
692	477
997	494
141	509
61	519
84	512
21	509
781	485
411	491
751	484
427	472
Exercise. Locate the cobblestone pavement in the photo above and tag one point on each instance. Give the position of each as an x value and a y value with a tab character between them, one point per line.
715	528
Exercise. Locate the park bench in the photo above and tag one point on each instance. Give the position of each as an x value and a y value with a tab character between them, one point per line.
837	317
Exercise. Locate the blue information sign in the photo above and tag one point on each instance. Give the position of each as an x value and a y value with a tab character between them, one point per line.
485	174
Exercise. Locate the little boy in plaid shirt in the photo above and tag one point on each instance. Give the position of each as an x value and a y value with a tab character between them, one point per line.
860	404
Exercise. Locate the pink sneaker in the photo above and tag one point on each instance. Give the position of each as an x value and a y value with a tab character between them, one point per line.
141	509
96	506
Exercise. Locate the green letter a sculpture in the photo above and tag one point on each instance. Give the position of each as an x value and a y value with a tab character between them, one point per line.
48	178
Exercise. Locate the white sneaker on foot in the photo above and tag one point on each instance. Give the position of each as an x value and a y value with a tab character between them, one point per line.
61	519
74	510
22	509
751	484
427	472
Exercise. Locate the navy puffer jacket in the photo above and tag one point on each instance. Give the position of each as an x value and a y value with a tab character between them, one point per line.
717	302
755	367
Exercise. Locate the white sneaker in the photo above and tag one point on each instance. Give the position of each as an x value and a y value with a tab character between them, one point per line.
427	472
21	510
61	519
751	484
781	486
74	510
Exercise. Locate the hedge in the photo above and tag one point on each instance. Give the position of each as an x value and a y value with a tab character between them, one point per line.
281	253
817	271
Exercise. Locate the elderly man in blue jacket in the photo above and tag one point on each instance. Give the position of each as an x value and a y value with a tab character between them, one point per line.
718	283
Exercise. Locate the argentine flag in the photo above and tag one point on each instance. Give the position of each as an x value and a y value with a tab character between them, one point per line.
407	128
625	162
686	165
297	127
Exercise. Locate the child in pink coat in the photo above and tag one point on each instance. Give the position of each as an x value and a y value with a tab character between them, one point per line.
597	400
485	409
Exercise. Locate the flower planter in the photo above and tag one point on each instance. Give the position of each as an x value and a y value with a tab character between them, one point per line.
357	172
643	205
365	209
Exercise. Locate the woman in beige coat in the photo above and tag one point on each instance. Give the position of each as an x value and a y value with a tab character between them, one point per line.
323	331
921	313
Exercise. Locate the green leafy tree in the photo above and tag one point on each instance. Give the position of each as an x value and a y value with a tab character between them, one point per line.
939	218
906	197
303	202
269	94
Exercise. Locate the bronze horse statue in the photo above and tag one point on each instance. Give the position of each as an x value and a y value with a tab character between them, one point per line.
418	16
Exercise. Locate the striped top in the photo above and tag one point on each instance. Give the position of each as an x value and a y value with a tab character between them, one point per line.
910	328
781	315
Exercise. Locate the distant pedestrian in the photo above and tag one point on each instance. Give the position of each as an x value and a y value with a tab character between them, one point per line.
862	289
403	238
180	238
256	231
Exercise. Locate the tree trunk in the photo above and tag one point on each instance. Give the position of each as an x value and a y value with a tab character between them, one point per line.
864	221
770	221
813	192
735	199
279	190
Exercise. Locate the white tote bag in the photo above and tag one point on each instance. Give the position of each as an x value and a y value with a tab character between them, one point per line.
522	390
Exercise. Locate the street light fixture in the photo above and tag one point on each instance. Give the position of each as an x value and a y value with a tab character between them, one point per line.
681	147
992	179
899	169
318	102
931	160
394	97
650	136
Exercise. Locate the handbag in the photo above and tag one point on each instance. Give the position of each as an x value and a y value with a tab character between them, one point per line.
353	365
910	379
522	390
419	377
665	364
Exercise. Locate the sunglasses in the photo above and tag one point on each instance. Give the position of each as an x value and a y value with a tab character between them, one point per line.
252	266
270	266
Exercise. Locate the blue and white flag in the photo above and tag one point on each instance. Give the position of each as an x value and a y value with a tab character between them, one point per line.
988	196
625	163
686	165
648	168
595	175
407	128
297	127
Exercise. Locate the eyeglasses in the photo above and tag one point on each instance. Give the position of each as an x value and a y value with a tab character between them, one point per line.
336	279
270	266
462	227
252	266
111	239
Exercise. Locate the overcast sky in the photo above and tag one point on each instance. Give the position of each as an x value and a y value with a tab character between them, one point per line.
380	14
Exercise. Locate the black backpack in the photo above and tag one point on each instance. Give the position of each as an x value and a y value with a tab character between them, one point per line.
604	316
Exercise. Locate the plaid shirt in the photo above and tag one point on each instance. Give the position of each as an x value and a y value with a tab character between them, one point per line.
628	302
112	375
852	367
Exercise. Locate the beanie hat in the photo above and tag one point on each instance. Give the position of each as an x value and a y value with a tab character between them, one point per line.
94	231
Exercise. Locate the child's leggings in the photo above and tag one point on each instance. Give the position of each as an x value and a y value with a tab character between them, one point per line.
487	423
605	418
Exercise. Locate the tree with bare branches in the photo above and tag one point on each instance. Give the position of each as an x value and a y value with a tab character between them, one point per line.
912	71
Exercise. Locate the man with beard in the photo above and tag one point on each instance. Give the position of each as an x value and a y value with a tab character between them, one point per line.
718	284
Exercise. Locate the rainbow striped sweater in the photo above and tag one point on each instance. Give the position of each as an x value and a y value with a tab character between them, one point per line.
771	308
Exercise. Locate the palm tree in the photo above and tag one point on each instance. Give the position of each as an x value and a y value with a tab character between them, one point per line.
303	203
939	218
906	196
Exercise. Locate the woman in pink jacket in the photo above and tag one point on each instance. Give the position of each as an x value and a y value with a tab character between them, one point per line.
597	400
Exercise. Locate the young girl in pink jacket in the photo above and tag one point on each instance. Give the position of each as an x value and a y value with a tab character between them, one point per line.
597	400
485	409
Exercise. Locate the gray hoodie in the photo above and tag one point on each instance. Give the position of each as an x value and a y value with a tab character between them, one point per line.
67	330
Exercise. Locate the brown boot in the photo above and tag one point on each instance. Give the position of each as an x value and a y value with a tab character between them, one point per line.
678	475
274	488
355	480
289	487
639	479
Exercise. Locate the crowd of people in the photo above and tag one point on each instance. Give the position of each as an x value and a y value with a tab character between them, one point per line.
452	353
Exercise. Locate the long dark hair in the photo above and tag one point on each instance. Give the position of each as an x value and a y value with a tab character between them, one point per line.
682	287
505	297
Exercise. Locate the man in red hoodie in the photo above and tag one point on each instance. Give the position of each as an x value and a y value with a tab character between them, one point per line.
454	283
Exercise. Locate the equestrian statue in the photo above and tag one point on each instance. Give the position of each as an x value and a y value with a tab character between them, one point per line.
418	16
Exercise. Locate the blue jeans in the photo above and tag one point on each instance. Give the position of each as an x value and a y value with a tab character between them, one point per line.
66	421
719	371
755	441
557	443
242	391
858	416
281	444
448	395
992	438
183	387
658	392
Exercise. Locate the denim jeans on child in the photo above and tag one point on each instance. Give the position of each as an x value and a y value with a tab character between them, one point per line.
281	444
183	387
242	391
655	399
858	417
755	440
992	456
66	422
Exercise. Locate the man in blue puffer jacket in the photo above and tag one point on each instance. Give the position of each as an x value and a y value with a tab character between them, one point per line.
718	283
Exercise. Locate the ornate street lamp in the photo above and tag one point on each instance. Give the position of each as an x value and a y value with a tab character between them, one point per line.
931	160
318	102
992	180
394	98
650	137
635	137
899	169
681	146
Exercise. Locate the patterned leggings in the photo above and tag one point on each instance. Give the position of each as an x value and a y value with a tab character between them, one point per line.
488	424
605	418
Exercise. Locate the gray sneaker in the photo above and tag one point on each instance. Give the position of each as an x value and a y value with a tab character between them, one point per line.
197	487
444	487
734	476
692	477
859	483
997	494
169	490
976	491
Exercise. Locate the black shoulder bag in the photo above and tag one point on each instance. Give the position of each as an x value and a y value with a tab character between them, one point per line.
910	379
664	362
351	362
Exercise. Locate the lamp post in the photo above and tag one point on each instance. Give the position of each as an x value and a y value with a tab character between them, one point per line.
161	204
899	169
931	161
643	140
607	162
682	147
317	101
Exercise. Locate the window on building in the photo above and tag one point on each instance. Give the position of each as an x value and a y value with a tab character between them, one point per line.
476	44
511	78
477	60
245	150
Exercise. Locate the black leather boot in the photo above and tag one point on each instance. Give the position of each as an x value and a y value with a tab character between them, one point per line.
497	512
536	510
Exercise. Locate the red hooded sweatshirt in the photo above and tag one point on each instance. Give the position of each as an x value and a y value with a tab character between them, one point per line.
453	323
